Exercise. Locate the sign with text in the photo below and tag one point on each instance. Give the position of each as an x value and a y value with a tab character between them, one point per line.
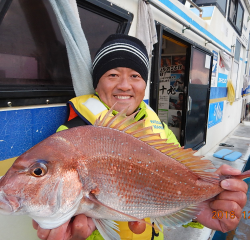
214	69
215	113
171	87
222	80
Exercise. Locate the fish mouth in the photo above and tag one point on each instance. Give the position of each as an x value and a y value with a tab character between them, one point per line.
8	205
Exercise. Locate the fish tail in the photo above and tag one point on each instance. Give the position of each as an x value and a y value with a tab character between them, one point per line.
243	175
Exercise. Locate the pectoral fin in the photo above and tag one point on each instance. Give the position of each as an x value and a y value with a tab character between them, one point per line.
114	212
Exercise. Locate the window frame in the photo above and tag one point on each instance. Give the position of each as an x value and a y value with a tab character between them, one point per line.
108	9
239	31
22	95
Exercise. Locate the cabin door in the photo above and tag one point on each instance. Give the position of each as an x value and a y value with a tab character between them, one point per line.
180	86
198	90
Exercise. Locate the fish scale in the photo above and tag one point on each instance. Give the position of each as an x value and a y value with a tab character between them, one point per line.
156	193
117	169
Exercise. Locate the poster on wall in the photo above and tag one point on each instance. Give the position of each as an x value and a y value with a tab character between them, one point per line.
163	96
163	115
214	69
178	64
174	118
215	113
171	87
222	80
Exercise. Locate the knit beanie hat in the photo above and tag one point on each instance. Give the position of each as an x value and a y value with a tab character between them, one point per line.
120	50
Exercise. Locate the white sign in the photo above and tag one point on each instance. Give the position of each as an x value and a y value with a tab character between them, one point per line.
207	61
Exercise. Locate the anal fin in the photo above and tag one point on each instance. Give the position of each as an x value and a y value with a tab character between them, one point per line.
179	218
107	229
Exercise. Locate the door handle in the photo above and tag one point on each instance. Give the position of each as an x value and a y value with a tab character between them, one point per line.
189	104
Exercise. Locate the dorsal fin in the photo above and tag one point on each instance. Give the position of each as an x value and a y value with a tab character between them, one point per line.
137	129
119	117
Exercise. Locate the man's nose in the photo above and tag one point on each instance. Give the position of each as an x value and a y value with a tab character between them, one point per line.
124	83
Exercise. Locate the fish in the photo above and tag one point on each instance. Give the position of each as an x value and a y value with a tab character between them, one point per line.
115	170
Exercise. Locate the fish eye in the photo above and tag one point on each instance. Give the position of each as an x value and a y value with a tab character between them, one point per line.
38	169
38	172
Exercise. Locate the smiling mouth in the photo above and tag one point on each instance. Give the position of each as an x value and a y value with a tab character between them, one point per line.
123	97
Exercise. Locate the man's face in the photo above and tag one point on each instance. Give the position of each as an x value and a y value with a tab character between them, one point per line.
122	86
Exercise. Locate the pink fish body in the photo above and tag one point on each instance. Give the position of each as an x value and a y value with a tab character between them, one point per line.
115	170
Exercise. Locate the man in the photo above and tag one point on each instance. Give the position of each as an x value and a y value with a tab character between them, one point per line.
120	72
179	104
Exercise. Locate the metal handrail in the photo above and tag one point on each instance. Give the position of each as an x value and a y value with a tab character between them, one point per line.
196	6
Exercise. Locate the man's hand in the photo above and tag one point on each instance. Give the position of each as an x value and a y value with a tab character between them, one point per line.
79	228
232	199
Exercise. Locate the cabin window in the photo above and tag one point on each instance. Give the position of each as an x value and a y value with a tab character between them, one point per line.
237	51
236	14
220	4
247	56
34	64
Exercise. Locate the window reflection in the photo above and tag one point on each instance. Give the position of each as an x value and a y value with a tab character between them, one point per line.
232	14
236	15
222	4
199	72
32	50
239	18
96	29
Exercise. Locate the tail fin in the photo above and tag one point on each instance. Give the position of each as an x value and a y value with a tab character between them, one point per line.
243	176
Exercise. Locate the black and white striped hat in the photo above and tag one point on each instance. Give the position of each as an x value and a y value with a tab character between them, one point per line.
120	50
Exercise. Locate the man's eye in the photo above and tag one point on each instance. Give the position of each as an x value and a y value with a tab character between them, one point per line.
135	76
112	75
